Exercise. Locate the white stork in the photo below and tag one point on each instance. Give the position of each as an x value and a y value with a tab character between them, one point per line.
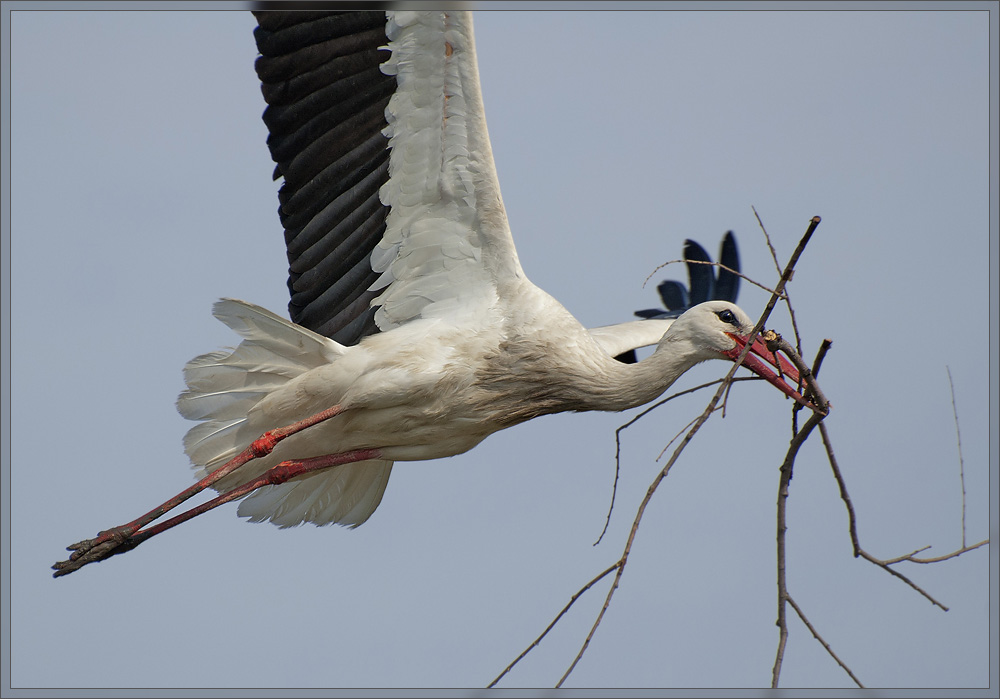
415	333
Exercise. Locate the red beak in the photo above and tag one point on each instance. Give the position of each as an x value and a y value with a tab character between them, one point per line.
770	366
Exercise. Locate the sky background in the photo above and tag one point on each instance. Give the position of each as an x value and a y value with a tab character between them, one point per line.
140	192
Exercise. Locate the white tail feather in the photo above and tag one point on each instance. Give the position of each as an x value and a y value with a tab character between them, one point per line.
347	495
222	388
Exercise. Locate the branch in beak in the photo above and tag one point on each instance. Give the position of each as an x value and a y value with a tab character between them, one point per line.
770	366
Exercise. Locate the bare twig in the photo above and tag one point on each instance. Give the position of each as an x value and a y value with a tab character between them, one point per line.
787	298
786	476
635	525
823	643
781	622
885	564
622	428
824	347
767	239
961	461
713	264
852	520
776	343
548	628
677	436
912	557
789	270
621	562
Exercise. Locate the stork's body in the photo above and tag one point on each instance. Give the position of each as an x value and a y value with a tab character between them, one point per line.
427	390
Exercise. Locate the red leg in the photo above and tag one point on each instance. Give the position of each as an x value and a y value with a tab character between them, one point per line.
276	475
108	543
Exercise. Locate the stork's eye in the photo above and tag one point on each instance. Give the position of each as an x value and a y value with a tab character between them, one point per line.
728	317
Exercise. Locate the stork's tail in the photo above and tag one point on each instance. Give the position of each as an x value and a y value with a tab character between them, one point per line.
222	388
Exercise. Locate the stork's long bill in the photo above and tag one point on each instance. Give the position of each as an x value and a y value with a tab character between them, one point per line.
763	362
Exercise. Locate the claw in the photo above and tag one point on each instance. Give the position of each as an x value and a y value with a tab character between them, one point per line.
106	544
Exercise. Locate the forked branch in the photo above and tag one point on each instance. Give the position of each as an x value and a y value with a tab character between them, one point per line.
783	595
885	564
619	565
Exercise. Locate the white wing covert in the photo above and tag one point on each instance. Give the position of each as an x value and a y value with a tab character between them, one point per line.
622	337
446	246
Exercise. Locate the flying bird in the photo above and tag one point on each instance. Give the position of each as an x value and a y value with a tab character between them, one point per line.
414	332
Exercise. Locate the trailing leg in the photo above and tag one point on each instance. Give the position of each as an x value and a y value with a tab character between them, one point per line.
122	538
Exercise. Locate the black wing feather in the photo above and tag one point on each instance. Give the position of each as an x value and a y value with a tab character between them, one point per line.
326	102
727	284
704	284
674	295
701	277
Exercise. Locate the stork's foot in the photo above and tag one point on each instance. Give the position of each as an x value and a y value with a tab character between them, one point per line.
104	545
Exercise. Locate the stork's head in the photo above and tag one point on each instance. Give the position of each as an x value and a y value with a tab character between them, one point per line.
720	330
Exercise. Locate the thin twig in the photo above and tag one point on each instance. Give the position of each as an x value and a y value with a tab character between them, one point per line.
776	343
789	270
961	461
885	566
787	298
676	437
713	264
852	520
767	239
622	428
548	628
853	529
912	557
645	501
824	347
781	622
786	476
823	643
635	528
619	563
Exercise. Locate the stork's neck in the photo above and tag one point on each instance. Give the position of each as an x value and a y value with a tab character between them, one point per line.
529	379
621	386
548	363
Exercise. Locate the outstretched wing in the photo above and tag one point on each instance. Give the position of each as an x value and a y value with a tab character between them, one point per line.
390	194
390	202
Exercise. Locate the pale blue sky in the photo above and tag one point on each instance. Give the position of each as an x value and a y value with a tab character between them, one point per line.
140	192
